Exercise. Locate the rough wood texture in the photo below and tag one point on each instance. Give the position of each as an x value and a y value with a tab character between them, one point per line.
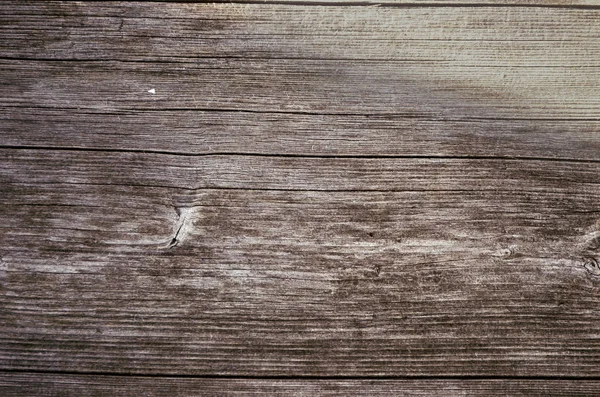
193	132
86	385
272	190
440	62
151	263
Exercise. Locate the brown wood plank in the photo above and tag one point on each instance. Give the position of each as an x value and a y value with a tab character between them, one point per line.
154	264
94	385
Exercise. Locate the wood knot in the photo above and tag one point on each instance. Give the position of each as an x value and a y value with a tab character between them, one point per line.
507	253
594	244
591	265
182	226
377	269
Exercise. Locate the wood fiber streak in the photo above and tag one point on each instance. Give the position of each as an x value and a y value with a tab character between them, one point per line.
147	263
300	190
12	385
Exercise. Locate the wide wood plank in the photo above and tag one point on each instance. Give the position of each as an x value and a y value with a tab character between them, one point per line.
246	265
305	86
446	36
92	385
444	62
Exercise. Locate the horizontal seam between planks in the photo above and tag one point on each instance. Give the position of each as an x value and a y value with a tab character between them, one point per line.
356	35
302	377
184	60
294	155
117	111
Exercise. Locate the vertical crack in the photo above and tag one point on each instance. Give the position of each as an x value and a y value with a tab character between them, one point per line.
174	240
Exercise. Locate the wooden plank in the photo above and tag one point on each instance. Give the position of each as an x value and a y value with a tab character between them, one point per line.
441	62
447	36
158	264
94	385
195	132
297	173
300	190
362	88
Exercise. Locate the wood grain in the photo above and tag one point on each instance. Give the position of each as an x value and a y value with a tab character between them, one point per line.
242	265
443	62
193	132
89	385
300	198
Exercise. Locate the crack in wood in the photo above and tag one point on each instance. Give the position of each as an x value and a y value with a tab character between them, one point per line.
182	227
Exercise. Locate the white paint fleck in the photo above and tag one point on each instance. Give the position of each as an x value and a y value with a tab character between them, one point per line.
152	91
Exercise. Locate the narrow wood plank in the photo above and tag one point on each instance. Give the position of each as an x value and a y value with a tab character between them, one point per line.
422	3
439	62
304	86
90	385
204	132
157	264
303	173
453	36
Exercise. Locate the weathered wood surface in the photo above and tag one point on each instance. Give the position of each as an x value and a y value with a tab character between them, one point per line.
86	385
271	190
440	62
267	265
193	132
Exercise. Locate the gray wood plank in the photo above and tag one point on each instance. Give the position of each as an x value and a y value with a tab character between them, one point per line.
204	132
158	264
306	86
300	190
94	385
433	61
